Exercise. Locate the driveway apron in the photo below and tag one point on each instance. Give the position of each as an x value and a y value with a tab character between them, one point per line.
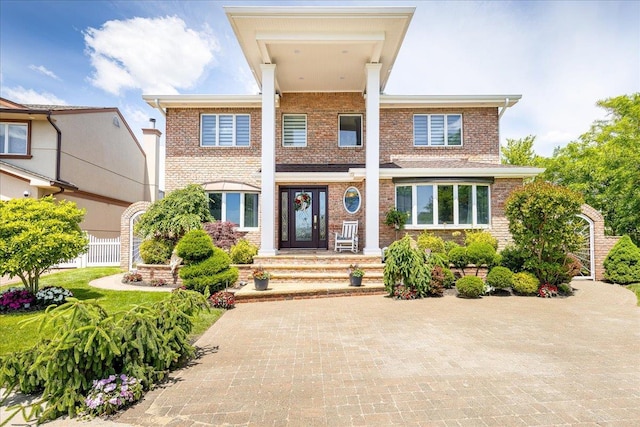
371	360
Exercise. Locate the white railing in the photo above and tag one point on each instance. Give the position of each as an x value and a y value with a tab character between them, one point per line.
101	253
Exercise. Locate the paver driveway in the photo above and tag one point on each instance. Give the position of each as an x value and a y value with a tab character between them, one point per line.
497	361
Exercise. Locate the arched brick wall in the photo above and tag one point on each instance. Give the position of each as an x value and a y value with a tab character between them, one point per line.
125	228
602	244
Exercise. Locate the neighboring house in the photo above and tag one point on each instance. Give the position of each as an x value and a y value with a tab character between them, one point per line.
323	144
85	155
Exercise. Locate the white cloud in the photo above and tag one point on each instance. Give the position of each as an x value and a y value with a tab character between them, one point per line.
43	70
246	80
157	55
29	96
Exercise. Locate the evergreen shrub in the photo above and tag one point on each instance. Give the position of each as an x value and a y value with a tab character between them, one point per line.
155	251
427	240
195	246
500	278
470	286
480	236
525	283
622	264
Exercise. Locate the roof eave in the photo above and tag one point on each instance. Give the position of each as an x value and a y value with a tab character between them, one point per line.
205	101
412	101
497	172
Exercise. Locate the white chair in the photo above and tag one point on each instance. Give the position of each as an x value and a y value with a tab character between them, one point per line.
348	239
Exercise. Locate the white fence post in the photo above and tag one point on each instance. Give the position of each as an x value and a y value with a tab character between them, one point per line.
101	253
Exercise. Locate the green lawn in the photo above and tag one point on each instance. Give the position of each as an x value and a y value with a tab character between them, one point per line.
17	337
635	288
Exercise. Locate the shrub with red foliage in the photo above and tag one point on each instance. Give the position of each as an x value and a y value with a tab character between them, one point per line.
222	233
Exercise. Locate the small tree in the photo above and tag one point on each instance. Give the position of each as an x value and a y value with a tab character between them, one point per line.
543	223
36	234
622	264
170	218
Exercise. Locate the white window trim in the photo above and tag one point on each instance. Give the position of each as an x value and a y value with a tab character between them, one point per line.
344	202
414	206
446	130
233	131
5	144
306	130
241	226
361	130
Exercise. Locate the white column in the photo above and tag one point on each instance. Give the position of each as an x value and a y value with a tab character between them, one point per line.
268	176
372	146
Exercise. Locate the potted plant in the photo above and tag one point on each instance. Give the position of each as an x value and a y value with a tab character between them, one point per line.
355	275
396	219
261	278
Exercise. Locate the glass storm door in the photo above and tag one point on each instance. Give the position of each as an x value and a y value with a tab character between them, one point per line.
303	217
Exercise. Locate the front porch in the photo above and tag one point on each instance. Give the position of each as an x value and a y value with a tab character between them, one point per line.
297	274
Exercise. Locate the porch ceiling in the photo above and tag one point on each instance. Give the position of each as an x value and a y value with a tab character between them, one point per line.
320	49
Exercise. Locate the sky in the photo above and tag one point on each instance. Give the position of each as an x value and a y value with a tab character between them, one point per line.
562	57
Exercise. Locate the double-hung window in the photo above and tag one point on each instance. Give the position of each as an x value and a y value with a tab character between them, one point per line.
14	138
225	130
350	130
437	129
240	209
294	130
439	205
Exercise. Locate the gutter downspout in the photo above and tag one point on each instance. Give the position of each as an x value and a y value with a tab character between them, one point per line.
59	145
159	107
504	108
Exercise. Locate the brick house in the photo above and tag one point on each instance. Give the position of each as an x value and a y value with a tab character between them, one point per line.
322	143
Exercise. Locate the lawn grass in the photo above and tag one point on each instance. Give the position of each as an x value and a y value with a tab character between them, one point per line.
16	337
636	289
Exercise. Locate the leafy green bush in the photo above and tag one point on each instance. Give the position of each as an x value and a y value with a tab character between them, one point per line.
195	246
449	278
513	258
243	252
407	265
622	264
155	251
470	286
500	278
459	258
480	236
427	240
543	223
450	244
172	217
481	253
525	283
565	289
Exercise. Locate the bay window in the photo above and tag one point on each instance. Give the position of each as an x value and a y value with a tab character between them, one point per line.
240	209
438	205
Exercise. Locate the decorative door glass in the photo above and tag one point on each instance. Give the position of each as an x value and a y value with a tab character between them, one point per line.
303	218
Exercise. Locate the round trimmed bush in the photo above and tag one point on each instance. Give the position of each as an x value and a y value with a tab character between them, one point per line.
525	283
155	251
243	252
458	257
481	253
427	240
213	273
470	286
480	236
195	246
500	278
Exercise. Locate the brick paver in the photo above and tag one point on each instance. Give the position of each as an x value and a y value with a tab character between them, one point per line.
498	361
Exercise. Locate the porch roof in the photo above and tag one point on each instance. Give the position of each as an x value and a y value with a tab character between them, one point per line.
401	168
320	49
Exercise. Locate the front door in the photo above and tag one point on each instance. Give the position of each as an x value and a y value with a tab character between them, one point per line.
303	217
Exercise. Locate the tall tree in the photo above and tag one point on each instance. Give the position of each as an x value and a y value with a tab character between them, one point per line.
604	165
519	152
36	234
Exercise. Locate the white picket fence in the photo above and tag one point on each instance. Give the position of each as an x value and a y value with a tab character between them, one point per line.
101	253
